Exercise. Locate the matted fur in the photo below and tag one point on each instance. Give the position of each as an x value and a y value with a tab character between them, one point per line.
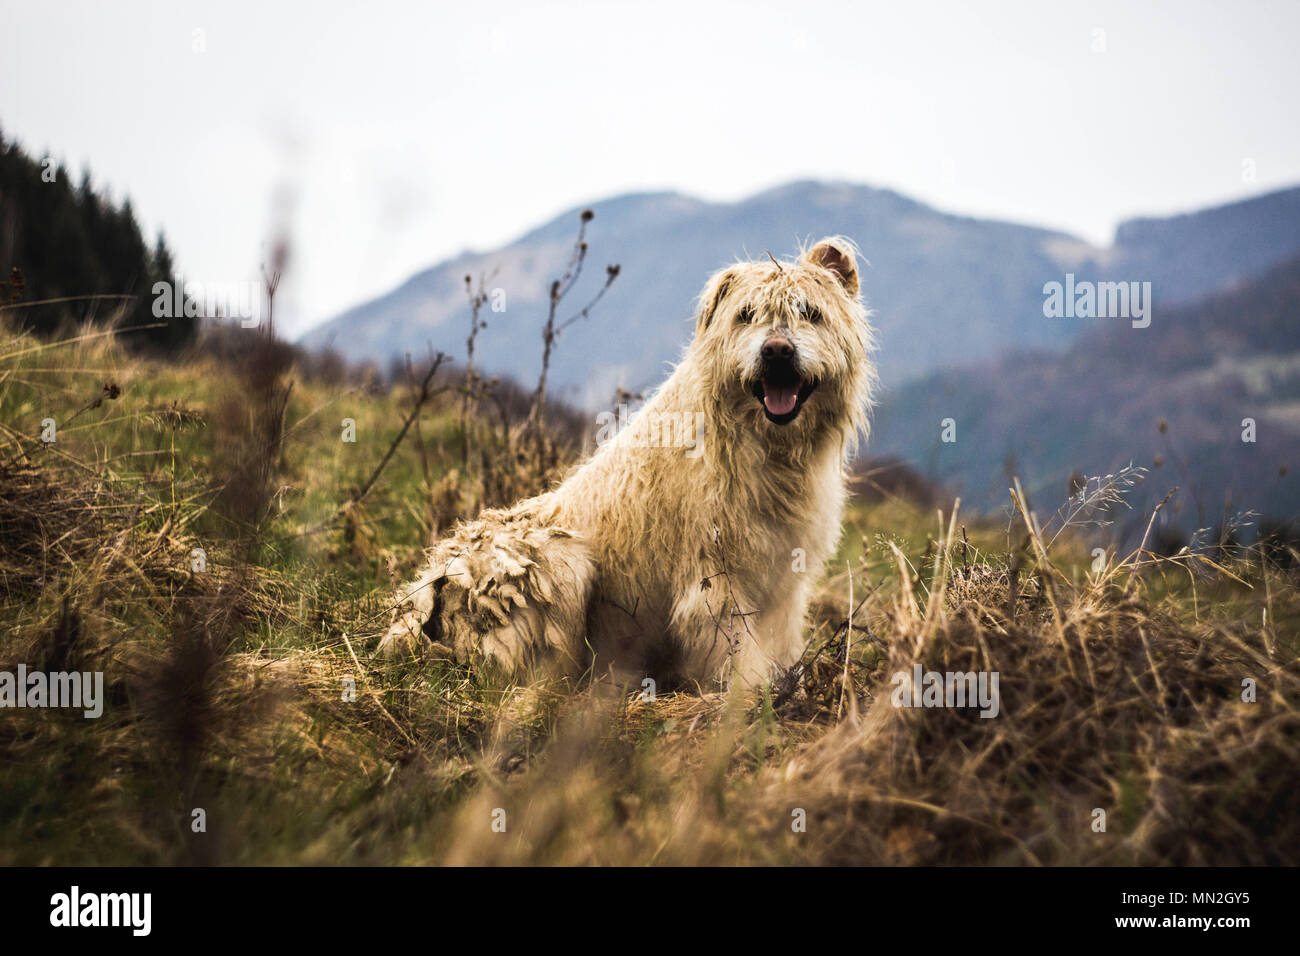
676	563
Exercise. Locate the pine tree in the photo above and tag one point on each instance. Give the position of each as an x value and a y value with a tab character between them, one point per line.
76	242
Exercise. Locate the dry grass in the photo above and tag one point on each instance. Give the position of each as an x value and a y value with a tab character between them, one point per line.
229	688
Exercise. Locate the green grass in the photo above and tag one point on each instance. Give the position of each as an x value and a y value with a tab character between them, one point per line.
226	687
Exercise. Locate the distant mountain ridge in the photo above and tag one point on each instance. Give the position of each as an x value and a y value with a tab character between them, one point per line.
1193	253
944	289
1173	398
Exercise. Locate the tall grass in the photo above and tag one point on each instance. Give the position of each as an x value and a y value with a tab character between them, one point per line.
240	685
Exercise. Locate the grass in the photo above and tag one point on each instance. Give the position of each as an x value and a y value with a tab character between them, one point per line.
230	679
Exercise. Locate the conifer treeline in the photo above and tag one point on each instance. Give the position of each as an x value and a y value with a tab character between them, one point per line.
67	240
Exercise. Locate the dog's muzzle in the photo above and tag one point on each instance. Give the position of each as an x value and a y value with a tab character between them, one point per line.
780	386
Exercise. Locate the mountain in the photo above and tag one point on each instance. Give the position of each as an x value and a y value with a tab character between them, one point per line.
1171	397
1186	255
928	282
944	288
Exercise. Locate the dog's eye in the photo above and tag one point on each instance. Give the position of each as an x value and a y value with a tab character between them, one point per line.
812	314
745	315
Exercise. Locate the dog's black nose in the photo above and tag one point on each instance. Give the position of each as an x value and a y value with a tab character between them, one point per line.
778	346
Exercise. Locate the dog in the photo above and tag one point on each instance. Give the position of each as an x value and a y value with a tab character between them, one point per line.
672	557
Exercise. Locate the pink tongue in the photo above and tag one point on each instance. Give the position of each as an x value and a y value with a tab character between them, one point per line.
780	400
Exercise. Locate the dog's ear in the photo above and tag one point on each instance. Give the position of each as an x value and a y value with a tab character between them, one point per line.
836	256
714	292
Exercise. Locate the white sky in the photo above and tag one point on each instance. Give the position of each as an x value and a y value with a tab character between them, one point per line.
391	135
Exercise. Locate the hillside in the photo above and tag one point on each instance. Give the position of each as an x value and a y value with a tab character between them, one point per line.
199	535
944	288
1199	369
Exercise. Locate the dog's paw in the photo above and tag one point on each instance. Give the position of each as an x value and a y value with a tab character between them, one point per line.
415	622
408	636
402	639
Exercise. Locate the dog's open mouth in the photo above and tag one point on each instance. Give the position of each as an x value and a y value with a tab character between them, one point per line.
782	391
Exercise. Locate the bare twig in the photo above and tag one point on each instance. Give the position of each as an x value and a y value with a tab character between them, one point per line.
477	299
611	273
426	393
551	330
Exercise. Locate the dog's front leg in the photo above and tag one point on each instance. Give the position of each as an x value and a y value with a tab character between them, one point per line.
718	627
414	610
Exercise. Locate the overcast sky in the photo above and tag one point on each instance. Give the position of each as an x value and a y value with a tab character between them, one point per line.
387	136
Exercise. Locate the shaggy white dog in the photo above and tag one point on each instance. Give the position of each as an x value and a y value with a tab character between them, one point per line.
686	548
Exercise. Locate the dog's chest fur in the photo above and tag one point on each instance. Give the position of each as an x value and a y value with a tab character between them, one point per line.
681	542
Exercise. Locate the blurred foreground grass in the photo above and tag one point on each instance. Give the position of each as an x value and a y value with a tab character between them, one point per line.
189	534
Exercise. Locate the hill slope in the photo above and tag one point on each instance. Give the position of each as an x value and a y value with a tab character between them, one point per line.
229	630
944	288
1201	368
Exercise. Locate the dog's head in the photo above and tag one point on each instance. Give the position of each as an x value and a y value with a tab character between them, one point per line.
787	346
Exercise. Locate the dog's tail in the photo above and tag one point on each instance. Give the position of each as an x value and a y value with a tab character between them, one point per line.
506	593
